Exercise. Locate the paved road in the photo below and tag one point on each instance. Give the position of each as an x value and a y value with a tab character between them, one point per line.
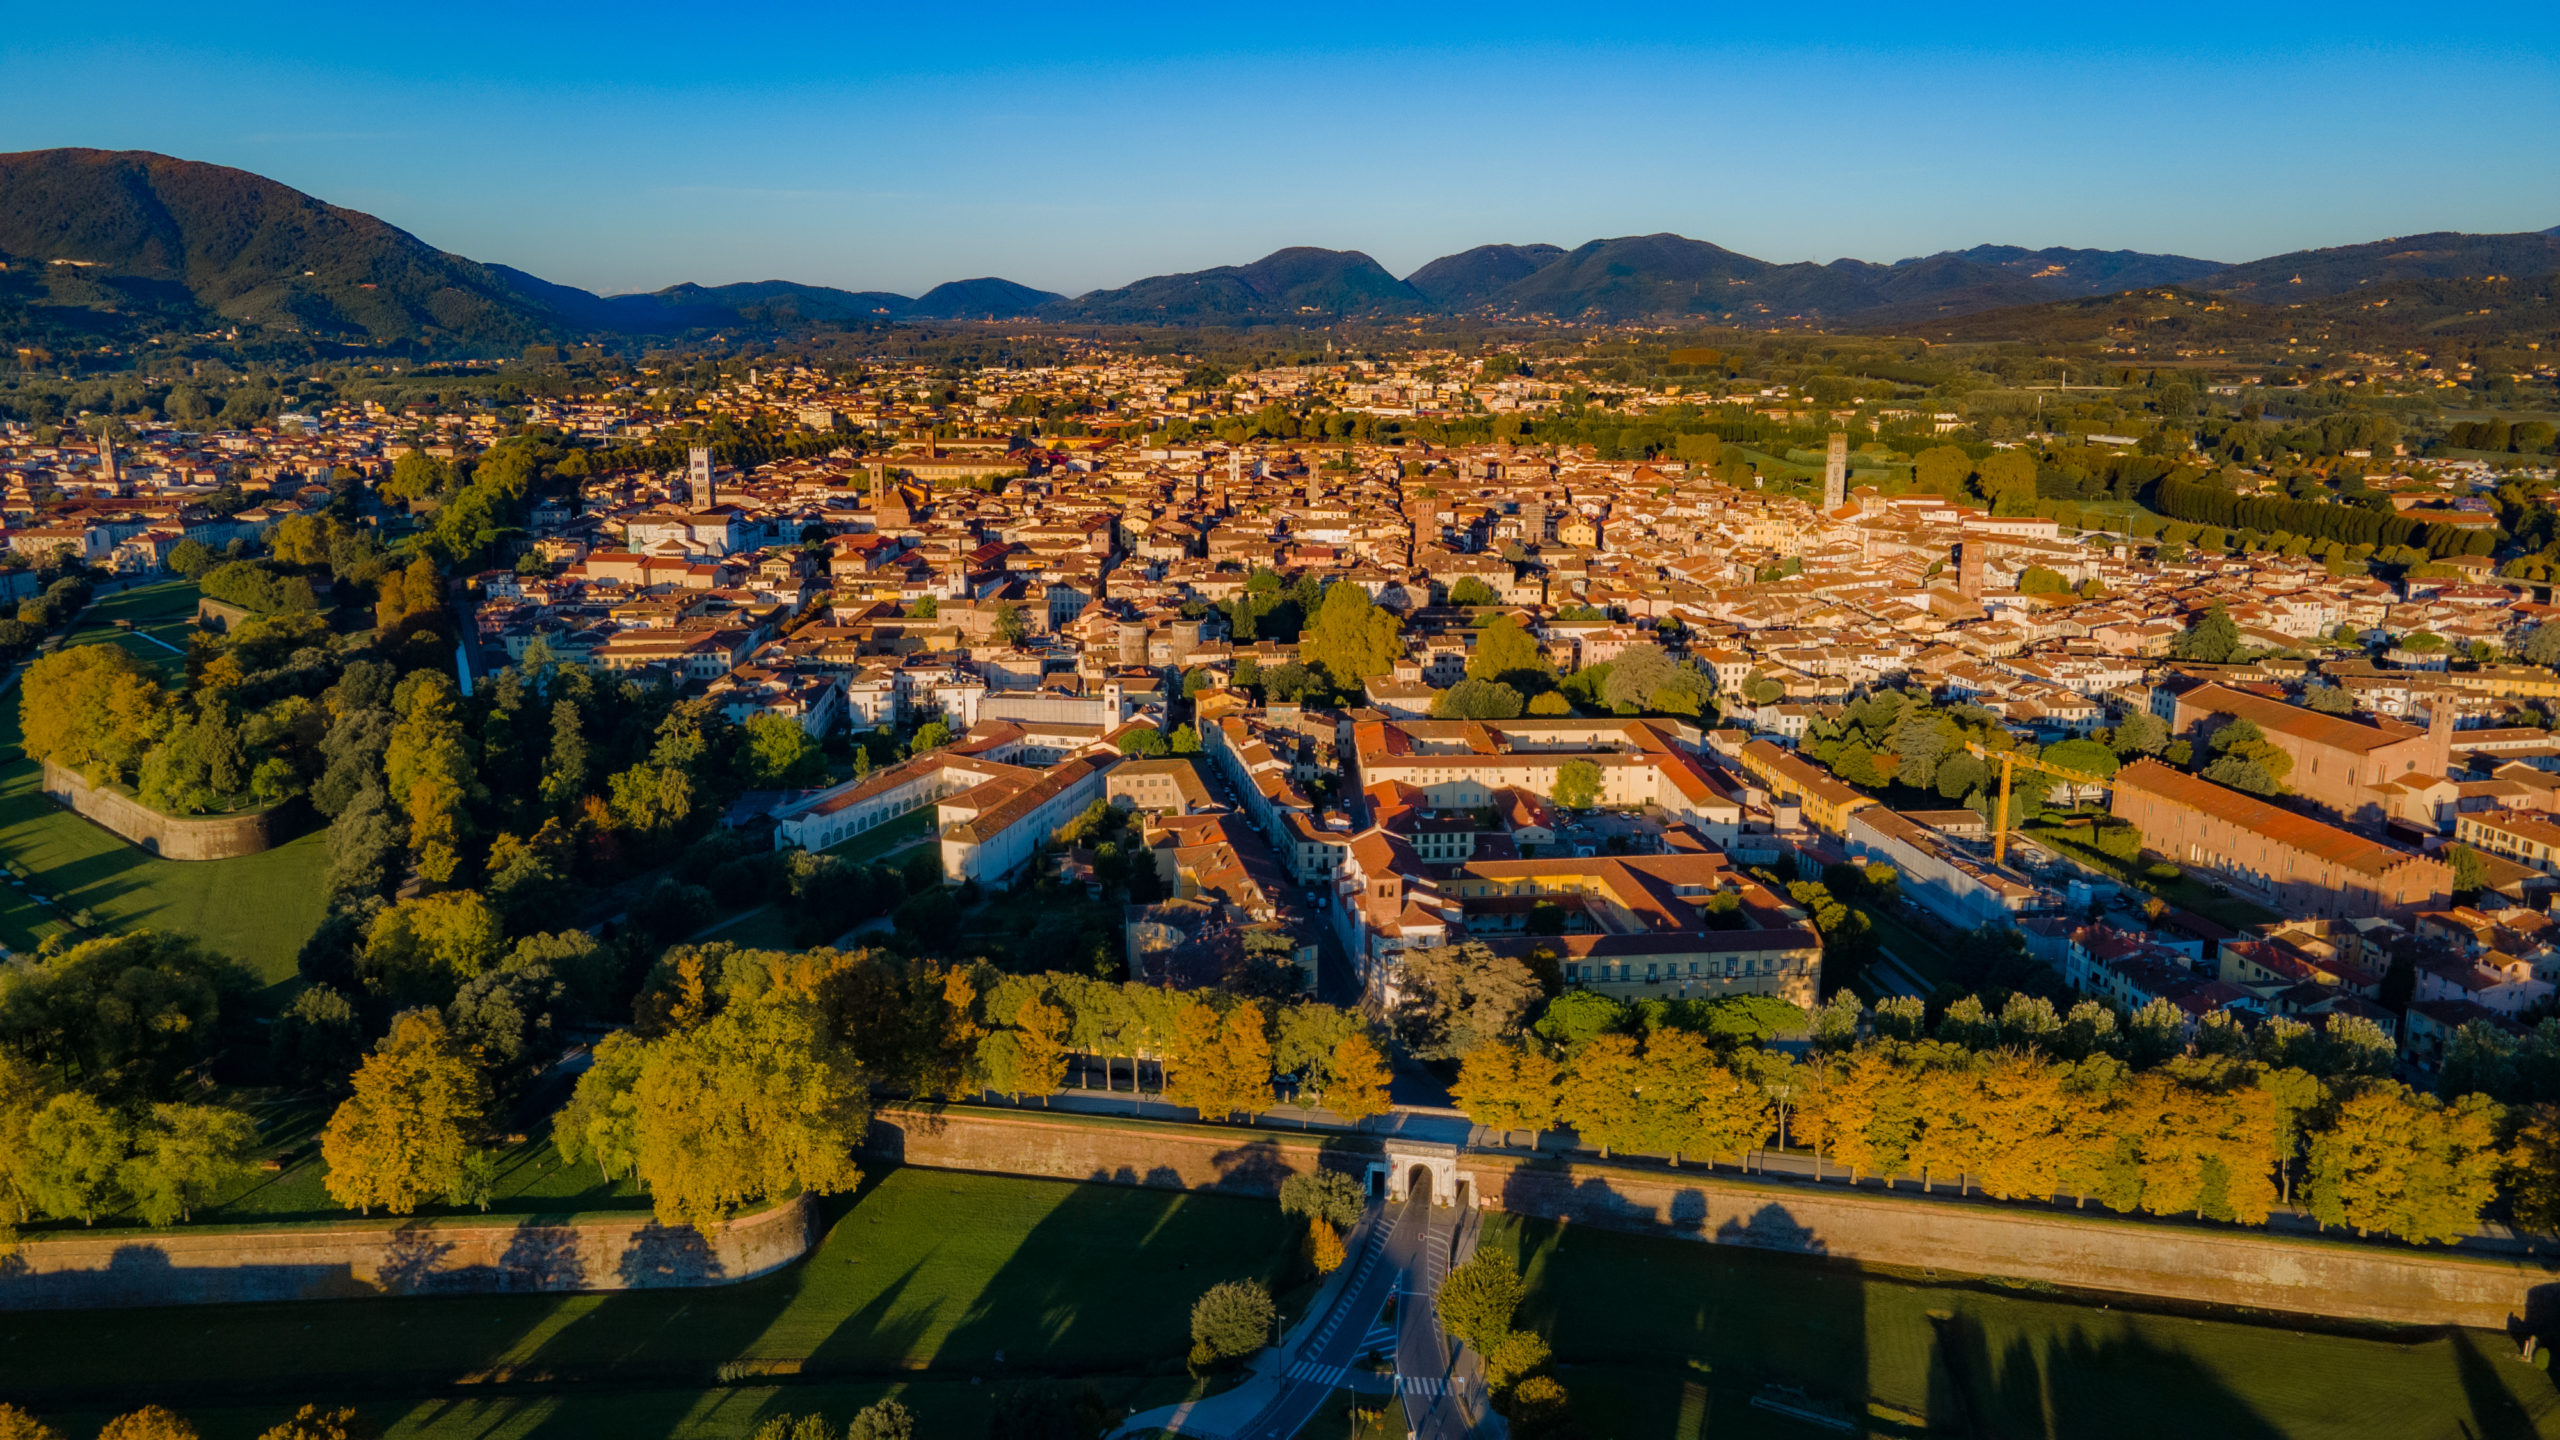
1426	1379
1323	1362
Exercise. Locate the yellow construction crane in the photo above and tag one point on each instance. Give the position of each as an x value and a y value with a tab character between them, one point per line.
2009	760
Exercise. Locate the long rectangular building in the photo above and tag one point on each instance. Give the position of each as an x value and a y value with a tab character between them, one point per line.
2286	861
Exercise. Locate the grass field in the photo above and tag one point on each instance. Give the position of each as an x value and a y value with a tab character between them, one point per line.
938	1285
1660	1339
258	909
871	844
934	1278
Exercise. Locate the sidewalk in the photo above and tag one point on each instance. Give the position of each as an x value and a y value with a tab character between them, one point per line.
1232	1412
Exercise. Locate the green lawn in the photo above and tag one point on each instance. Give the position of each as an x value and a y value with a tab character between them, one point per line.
871	844
258	909
925	1276
943	1408
1663	1338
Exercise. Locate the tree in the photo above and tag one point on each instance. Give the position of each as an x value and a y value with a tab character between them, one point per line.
1456	997
1479	1298
1503	1085
1473	699
2533	1170
881	1420
2407	1164
2008	480
2470	871
2247	760
1599	1095
1324	1248
2037	580
1010	629
2328	699
1232	1319
1040	1040
1185	741
402	1136
75	1147
778	753
313	1423
148	1423
1942	470
754	1102
564	772
1350	636
1637	672
601	1121
430	771
1471	590
1505	653
183	1156
1577	785
1696	1106
2212	640
1357	1085
1323	1195
127	1015
424	949
92	709
2142	733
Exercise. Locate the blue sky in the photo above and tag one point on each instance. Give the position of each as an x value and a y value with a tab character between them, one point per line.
633	146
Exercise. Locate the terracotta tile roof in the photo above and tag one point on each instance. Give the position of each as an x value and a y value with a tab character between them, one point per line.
2334	731
2283	827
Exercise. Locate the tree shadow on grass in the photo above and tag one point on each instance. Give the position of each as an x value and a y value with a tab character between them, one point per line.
1106	1279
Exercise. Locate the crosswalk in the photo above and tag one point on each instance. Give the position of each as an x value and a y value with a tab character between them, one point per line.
1429	1385
1379	1335
1315	1374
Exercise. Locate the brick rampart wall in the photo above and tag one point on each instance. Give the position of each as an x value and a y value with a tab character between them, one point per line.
215	837
354	1258
2338	1279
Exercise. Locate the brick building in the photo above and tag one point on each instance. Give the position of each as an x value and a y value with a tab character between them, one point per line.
2337	762
2288	862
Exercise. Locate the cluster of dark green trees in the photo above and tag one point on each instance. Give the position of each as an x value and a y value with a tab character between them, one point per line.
2346	524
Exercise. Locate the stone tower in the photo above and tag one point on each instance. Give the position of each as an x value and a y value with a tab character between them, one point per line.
1835	471
704	490
1969	569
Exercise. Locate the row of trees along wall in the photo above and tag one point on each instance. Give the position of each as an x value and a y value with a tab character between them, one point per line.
2029	1104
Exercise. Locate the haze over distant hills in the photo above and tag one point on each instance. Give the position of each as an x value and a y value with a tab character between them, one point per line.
106	244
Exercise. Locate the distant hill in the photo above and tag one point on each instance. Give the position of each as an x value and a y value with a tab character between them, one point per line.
2444	255
1474	277
1637	275
767	302
206	245
987	298
1301	282
2088	272
103	246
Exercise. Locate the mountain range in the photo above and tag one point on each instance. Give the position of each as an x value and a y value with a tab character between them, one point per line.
100	243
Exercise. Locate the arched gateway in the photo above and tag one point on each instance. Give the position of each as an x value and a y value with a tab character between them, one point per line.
1421	1169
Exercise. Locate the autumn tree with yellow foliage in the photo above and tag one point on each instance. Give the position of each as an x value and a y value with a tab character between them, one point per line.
402	1138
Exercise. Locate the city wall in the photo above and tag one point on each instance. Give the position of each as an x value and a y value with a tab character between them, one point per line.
2300	1275
1164	1155
212	837
343	1259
